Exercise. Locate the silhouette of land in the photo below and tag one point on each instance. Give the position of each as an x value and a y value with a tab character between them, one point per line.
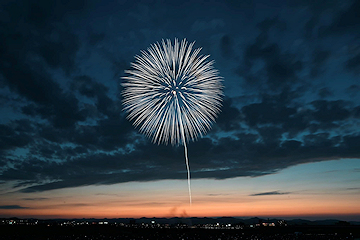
176	228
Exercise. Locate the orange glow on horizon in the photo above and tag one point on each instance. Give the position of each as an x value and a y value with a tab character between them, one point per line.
280	208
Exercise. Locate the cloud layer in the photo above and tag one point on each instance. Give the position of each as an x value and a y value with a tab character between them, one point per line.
60	92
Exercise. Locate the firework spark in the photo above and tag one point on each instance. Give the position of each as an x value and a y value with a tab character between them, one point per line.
172	94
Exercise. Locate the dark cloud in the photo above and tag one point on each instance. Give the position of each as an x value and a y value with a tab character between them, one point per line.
270	193
106	169
269	23
86	86
330	111
38	28
354	87
229	118
356	112
60	51
12	207
346	21
95	38
270	135
351	143
46	150
217	194
280	69
325	92
353	90
118	64
47	132
321	140
280	114
108	134
310	25
353	63
13	137
270	110
226	46
62	113
319	58
225	158
291	144
32	43
316	10
35	199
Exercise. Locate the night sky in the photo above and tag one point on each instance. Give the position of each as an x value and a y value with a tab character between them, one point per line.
286	143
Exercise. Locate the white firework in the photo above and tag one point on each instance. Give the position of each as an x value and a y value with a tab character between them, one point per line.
172	94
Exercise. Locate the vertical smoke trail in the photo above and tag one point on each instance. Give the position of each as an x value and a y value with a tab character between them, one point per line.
185	146
188	171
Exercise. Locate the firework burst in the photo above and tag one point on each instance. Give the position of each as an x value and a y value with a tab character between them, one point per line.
172	94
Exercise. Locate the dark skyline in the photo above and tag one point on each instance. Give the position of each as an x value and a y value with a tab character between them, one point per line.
285	144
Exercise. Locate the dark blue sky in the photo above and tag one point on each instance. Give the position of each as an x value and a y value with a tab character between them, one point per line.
291	76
